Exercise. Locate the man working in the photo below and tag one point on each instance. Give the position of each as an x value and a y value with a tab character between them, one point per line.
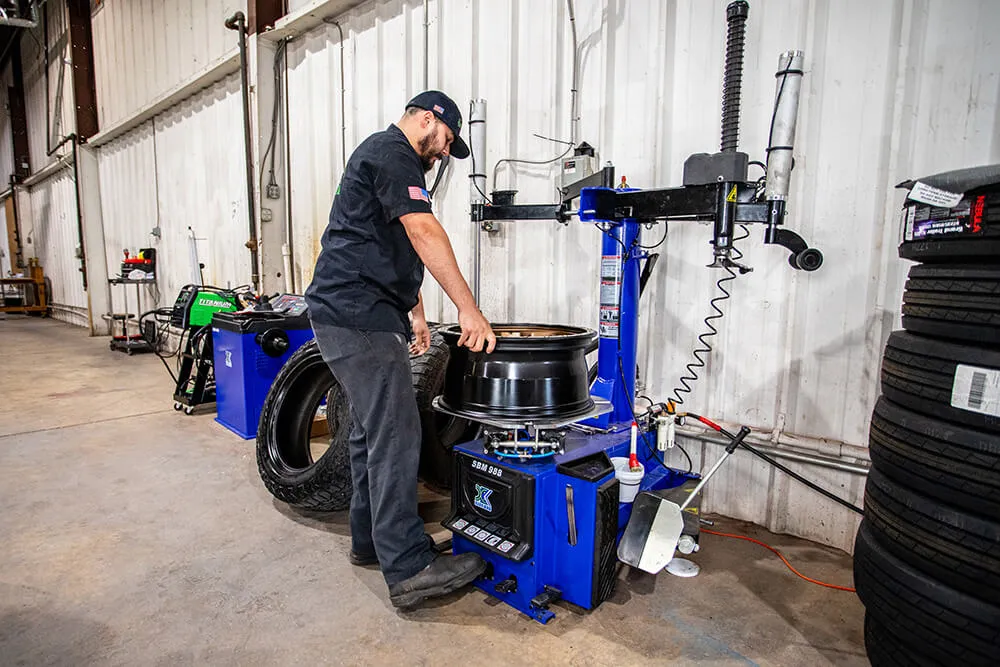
365	290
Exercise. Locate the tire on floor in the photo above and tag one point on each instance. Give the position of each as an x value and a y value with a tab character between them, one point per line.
936	621
284	458
884	650
958	548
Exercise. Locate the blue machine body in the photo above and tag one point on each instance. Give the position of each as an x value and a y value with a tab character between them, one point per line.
549	528
553	549
247	359
618	326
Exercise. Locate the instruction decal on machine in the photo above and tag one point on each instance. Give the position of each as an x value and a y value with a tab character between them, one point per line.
977	390
611	281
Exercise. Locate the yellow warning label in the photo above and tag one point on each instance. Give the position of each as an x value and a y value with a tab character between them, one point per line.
731	197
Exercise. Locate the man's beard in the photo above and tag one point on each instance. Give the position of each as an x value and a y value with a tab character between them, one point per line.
426	154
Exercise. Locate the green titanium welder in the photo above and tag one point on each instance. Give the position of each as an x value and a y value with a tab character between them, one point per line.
192	313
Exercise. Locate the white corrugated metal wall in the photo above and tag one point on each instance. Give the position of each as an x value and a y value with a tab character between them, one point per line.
59	120
128	204
797	344
182	169
201	181
52	223
892	90
145	48
53	230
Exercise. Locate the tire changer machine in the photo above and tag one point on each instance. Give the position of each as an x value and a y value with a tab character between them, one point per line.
537	498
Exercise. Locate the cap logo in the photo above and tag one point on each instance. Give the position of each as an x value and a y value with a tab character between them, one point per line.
438	108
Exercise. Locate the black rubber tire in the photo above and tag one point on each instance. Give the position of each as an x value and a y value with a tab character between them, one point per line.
955	464
985	249
283	459
934	620
325	485
959	302
919	373
441	432
884	650
957	548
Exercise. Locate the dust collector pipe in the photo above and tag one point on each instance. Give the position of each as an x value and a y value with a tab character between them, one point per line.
477	183
782	139
238	23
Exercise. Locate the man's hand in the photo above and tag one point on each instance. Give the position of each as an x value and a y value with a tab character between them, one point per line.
421	336
476	331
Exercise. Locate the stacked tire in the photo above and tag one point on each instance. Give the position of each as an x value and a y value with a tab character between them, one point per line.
927	556
284	455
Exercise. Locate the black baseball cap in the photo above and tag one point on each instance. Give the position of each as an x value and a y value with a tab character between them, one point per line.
447	111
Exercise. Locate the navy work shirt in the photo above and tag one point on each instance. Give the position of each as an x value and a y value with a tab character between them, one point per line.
368	275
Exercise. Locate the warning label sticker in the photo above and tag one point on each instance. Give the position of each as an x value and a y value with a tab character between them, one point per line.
611	267
611	286
609	322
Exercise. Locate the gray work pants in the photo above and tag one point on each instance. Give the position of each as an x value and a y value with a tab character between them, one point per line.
373	367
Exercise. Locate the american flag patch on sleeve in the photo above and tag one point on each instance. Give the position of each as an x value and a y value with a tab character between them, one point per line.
419	194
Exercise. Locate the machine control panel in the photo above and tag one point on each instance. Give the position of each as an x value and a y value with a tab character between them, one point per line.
493	506
289	305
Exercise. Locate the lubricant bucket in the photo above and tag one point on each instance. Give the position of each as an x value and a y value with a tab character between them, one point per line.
628	481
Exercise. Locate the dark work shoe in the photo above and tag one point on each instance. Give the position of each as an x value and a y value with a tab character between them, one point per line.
444	575
362	559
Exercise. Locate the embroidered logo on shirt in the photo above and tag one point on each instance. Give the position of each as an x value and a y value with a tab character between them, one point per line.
419	194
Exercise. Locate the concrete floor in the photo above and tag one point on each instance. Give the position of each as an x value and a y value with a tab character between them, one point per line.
135	535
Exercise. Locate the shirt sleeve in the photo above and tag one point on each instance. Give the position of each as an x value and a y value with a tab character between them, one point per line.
400	185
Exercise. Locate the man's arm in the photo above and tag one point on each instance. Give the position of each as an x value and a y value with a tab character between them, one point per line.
432	245
421	333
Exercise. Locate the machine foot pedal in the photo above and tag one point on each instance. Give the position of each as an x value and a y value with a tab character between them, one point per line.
546	597
508	585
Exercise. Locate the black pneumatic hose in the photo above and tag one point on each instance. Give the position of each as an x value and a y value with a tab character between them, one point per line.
803	480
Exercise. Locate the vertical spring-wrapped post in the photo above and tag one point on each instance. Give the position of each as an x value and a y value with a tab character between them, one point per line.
736	17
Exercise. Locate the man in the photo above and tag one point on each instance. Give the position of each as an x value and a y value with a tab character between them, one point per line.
364	303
